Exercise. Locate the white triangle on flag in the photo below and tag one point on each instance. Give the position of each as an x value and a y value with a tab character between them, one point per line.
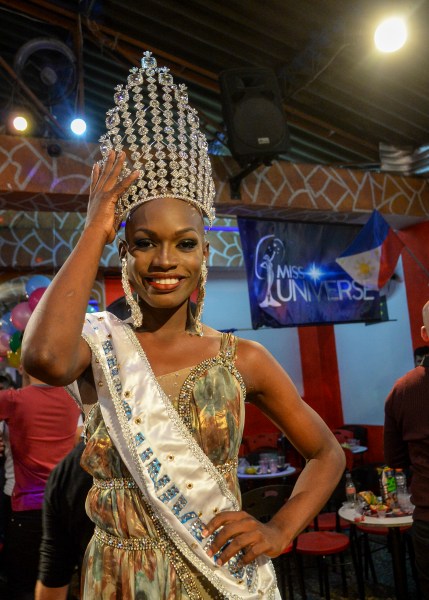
363	267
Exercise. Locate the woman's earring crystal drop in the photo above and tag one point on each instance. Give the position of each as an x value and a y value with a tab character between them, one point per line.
200	298
136	313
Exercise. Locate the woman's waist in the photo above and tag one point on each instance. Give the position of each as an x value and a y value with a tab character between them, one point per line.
131	542
117	507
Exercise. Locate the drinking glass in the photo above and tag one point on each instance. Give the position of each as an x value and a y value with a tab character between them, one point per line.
404	501
273	465
263	465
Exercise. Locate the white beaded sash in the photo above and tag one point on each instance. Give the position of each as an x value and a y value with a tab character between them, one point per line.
177	479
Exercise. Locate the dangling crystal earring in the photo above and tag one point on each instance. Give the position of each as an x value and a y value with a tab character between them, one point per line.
136	313
200	298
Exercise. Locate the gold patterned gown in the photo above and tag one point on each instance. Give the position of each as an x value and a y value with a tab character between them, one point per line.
210	399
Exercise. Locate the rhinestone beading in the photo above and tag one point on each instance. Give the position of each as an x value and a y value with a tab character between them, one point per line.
228	466
115	484
132	544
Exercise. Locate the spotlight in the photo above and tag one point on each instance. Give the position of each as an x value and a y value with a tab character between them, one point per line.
391	34
20	123
78	126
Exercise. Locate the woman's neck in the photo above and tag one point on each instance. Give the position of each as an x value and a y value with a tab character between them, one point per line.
165	321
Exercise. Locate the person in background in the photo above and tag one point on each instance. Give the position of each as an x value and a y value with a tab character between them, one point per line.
406	445
419	355
168	391
7	477
66	529
6	381
42	421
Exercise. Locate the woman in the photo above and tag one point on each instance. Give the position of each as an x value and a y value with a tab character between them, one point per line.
168	392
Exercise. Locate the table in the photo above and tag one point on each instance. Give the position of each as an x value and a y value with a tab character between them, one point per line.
393	524
284	473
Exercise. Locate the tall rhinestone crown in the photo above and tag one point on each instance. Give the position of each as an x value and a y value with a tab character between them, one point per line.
163	138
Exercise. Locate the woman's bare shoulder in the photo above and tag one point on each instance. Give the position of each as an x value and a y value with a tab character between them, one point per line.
261	372
250	350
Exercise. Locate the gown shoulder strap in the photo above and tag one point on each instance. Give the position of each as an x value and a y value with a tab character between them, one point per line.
228	346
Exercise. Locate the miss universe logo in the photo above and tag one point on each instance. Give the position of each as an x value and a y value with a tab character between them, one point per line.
281	283
270	252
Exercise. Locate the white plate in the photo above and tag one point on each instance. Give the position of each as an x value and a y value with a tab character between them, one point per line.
350	514
285	473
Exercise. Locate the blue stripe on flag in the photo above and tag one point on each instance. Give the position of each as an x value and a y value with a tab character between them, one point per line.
371	236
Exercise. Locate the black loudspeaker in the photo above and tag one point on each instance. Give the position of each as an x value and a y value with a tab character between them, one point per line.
253	113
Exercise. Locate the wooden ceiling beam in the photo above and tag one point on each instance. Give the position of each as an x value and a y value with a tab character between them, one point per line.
48	16
334	133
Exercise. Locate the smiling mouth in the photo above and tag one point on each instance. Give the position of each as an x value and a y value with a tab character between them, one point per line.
164	283
164	280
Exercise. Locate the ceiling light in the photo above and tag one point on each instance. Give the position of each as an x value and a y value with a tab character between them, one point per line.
391	34
20	123
78	126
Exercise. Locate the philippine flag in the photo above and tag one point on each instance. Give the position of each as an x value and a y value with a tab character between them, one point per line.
372	256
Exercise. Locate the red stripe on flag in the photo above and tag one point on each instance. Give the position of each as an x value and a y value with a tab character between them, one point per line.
390	251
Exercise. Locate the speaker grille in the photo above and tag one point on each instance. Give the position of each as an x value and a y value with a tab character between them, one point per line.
259	123
253	112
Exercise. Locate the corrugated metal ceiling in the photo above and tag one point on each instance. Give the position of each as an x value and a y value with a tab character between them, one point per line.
341	97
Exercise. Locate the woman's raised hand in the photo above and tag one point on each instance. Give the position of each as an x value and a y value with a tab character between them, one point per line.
105	191
241	531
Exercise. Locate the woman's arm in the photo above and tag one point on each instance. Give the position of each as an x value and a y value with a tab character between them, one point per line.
53	349
270	388
42	592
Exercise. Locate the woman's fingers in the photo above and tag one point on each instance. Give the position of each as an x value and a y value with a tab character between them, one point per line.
229	528
108	176
107	169
237	531
251	544
95	174
112	175
123	185
105	179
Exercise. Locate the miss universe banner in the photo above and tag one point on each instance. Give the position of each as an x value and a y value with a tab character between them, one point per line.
293	278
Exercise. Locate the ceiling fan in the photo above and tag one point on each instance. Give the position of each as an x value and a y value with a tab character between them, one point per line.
48	67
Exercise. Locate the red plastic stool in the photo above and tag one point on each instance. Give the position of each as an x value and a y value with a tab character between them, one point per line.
322	544
327	521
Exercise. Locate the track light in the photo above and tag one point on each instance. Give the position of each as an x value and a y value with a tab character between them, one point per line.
78	126
391	34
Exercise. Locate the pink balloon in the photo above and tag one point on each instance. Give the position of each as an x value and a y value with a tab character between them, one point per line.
4	343
35	296
20	314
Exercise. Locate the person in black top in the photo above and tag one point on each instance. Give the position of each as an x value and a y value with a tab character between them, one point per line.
406	445
66	527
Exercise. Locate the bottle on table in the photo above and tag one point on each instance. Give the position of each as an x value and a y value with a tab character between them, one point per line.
351	495
281	465
402	495
401	481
